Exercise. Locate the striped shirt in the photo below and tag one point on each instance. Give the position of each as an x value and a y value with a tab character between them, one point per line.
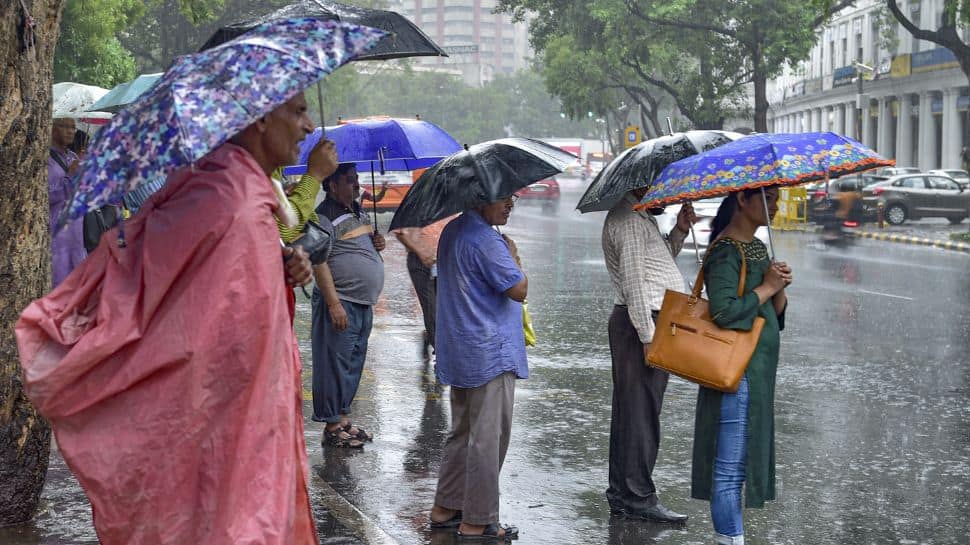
302	199
640	260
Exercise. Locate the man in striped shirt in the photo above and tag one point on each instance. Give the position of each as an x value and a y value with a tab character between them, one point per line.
640	260
348	285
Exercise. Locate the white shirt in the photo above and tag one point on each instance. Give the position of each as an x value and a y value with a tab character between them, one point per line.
640	260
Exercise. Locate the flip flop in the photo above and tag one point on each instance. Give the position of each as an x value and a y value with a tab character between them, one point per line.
453	522
490	533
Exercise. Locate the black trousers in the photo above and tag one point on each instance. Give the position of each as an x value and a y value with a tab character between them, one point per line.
426	288
638	393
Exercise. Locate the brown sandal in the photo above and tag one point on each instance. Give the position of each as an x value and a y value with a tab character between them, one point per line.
361	434
334	439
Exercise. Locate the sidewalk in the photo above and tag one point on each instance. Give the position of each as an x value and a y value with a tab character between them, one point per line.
933	232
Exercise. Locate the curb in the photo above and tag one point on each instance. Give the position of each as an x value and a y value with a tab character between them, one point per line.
906	239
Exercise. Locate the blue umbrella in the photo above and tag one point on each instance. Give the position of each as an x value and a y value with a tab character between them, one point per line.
760	161
206	98
406	144
382	144
124	93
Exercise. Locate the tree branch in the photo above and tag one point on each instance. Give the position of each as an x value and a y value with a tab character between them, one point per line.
833	9
917	32
635	10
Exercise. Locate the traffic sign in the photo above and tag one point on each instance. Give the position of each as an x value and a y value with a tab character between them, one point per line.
631	136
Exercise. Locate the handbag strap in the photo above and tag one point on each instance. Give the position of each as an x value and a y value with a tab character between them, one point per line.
699	283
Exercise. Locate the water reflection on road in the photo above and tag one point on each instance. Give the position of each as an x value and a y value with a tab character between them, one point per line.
872	423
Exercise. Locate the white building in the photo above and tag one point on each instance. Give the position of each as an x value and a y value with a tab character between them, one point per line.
479	42
914	102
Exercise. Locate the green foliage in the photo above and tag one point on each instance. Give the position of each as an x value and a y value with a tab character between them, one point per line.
699	52
515	105
960	237
88	50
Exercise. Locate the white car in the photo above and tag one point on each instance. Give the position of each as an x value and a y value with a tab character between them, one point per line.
959	176
705	210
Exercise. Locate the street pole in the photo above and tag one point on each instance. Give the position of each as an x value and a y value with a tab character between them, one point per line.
858	104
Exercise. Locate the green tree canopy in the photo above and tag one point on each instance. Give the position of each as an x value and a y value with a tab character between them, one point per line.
88	50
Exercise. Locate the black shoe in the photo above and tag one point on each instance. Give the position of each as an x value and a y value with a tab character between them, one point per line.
655	513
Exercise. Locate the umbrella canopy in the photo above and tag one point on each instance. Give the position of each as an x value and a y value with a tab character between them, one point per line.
761	160
406	144
74	99
476	176
206	98
124	93
405	40
638	166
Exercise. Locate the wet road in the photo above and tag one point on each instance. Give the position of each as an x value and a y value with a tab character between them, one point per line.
872	423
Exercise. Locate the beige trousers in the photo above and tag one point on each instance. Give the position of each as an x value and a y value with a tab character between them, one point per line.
481	421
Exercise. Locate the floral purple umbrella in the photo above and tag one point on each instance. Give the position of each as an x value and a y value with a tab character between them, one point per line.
206	98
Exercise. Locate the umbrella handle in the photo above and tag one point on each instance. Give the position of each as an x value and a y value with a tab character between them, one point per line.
771	242
697	252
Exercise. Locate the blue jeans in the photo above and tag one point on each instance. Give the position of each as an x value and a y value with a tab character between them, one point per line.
338	357
732	438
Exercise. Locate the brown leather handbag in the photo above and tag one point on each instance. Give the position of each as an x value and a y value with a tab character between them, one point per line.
688	343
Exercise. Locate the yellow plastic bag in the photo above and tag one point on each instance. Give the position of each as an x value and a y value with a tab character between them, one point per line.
530	334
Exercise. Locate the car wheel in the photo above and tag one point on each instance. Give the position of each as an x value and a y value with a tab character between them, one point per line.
956	219
896	214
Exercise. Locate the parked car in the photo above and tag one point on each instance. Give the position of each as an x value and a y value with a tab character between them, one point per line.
914	196
959	176
705	210
896	171
544	193
821	199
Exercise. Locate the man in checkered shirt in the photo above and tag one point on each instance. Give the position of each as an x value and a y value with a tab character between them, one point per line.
640	260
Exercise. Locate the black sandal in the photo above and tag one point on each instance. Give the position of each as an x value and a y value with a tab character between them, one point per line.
361	434
491	533
333	439
453	522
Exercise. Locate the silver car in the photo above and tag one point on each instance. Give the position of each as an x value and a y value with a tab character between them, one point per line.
915	196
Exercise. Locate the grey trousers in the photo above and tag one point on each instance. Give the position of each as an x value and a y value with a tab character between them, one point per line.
426	288
481	420
638	394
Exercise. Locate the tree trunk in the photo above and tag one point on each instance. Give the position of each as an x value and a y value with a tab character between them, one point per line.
25	271
760	99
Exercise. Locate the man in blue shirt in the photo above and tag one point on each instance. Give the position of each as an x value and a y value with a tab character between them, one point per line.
480	351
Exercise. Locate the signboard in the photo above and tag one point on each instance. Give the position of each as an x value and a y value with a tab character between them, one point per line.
940	58
900	66
843	76
461	49
631	136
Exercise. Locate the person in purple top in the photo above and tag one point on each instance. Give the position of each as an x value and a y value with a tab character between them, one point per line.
480	351
67	246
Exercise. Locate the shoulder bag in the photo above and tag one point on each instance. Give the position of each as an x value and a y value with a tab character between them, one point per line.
688	343
316	241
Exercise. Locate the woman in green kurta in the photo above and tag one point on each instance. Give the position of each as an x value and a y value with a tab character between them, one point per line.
734	433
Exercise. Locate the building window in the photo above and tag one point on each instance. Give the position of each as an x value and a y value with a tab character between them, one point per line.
832	56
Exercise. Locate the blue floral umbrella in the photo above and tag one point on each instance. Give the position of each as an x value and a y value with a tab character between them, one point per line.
760	161
206	98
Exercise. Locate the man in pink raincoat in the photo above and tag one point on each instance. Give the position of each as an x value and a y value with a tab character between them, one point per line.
169	368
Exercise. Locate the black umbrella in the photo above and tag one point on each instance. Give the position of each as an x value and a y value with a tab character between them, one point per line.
638	166
406	39
478	175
